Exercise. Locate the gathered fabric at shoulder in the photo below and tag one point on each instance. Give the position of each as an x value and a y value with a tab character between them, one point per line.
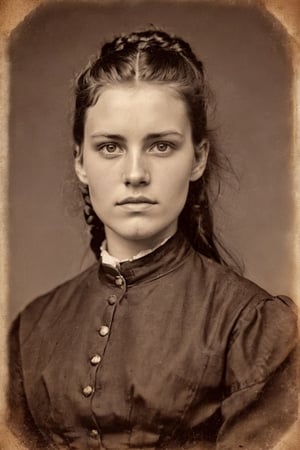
262	339
261	376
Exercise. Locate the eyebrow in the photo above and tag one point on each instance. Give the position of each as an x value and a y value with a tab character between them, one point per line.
163	134
119	137
116	137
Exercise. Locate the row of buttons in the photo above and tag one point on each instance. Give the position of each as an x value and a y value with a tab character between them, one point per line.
104	330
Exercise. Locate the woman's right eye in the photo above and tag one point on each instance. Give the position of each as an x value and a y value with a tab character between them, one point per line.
109	149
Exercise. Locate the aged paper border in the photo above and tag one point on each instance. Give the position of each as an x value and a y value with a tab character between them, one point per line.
13	12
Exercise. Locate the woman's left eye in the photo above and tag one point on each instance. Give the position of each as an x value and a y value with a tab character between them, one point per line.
162	148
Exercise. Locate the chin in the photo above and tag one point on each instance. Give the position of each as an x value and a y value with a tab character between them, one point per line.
147	234
140	235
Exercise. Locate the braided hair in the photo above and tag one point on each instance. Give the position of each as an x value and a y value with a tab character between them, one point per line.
158	57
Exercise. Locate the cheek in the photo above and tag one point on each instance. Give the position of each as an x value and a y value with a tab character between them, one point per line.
176	182
97	178
99	193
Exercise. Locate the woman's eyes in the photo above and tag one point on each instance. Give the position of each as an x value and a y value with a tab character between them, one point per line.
111	149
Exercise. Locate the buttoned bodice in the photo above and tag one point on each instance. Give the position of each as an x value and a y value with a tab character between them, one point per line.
162	352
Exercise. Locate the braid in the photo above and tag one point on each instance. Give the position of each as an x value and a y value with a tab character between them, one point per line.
92	220
153	40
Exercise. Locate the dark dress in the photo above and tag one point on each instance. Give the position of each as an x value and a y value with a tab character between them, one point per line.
172	351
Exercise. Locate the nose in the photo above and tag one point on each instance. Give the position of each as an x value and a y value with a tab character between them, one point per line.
136	172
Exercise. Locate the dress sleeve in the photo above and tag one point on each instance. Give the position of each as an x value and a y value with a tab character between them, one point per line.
20	421
261	381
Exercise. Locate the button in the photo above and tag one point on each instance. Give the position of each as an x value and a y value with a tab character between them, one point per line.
112	299
119	281
104	330
87	390
95	360
93	433
57	439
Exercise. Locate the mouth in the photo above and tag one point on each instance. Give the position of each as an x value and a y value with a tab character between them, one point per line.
136	201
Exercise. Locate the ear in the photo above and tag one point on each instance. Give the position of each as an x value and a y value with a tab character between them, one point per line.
79	166
200	160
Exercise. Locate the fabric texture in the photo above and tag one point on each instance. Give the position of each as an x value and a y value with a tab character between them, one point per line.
171	351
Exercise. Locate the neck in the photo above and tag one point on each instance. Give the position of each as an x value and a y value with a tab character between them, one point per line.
122	248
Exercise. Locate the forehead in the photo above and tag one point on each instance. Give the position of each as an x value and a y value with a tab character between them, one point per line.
147	107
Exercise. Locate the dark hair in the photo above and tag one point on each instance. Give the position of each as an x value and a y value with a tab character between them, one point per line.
156	57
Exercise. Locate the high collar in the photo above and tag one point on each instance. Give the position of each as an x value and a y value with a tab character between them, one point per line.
108	259
154	265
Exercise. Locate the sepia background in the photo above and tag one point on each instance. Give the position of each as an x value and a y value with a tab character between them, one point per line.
248	67
260	219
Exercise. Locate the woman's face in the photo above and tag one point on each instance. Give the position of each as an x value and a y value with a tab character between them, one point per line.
138	159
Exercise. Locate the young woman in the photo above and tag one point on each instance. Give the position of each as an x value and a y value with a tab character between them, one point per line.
159	344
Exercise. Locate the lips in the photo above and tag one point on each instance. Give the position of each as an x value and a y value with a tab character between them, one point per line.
136	200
